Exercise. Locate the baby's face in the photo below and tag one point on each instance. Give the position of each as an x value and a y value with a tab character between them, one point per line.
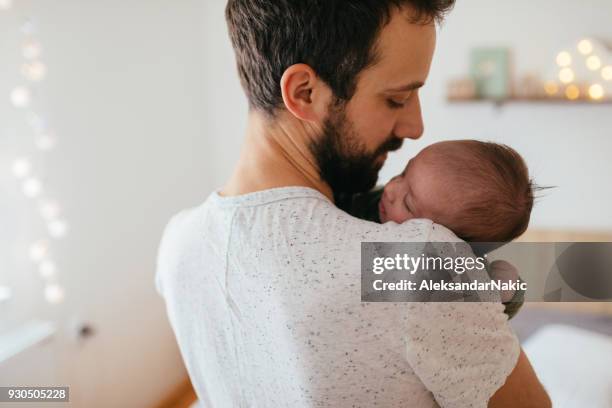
418	192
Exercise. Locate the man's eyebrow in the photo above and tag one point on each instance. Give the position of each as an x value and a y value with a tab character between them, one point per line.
404	88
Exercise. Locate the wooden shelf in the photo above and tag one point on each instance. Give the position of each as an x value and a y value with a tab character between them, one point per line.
553	101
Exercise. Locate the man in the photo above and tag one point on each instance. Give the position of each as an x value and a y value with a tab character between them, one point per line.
262	280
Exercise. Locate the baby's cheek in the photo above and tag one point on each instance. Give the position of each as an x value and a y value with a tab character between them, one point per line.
399	216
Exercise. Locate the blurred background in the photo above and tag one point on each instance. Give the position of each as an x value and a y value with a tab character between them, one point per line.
114	115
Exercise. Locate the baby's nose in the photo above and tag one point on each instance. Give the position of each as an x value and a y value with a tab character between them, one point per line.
388	192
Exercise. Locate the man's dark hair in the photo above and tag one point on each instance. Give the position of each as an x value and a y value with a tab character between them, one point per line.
336	38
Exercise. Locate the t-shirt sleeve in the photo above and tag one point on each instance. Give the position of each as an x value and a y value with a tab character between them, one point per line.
462	352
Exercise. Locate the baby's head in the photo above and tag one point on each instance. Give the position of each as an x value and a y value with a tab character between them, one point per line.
480	190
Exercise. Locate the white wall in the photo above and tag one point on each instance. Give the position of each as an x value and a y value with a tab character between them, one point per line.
125	95
565	146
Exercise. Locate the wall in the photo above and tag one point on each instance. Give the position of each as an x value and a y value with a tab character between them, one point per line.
125	95
565	146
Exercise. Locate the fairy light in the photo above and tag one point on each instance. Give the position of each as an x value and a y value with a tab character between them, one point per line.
32	187
54	293
572	92
34	70
551	88
21	167
20	97
566	75
593	63
585	47
606	72
596	92
564	59
38	251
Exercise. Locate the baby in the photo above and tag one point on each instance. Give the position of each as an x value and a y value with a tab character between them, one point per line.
479	190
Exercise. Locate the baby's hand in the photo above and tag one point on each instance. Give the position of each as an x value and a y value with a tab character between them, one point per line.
505	272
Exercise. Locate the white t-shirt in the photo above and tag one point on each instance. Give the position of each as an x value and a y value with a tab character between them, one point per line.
263	293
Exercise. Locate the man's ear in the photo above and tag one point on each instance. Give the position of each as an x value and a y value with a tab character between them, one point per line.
305	95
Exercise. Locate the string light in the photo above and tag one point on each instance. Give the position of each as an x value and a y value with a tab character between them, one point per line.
551	88
566	75
606	72
34	70
593	63
38	251
20	97
564	59
21	167
596	92
572	92
54	293
32	187
585	47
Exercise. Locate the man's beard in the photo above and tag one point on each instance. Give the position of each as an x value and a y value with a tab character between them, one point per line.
344	162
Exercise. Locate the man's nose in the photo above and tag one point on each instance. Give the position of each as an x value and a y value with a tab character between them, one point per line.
410	122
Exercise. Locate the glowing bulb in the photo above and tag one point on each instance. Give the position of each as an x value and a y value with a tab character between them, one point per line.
34	71
21	167
31	50
5	4
20	97
593	63
572	92
585	47
606	72
47	269
566	75
596	92
32	187
551	88
54	293
49	210
38	251
564	59
57	228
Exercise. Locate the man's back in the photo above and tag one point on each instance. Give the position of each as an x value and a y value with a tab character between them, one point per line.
263	293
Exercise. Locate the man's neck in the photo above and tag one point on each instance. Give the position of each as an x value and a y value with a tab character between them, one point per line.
276	155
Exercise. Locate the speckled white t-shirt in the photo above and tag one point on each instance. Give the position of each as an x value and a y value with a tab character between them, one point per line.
263	293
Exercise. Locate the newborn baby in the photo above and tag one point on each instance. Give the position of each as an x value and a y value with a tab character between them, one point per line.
479	190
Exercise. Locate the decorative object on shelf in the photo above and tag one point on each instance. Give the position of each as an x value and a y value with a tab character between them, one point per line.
581	73
463	88
490	71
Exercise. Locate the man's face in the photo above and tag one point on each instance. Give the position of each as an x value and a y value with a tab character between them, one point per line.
384	110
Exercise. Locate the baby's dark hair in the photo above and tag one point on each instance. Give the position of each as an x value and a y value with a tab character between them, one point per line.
499	193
